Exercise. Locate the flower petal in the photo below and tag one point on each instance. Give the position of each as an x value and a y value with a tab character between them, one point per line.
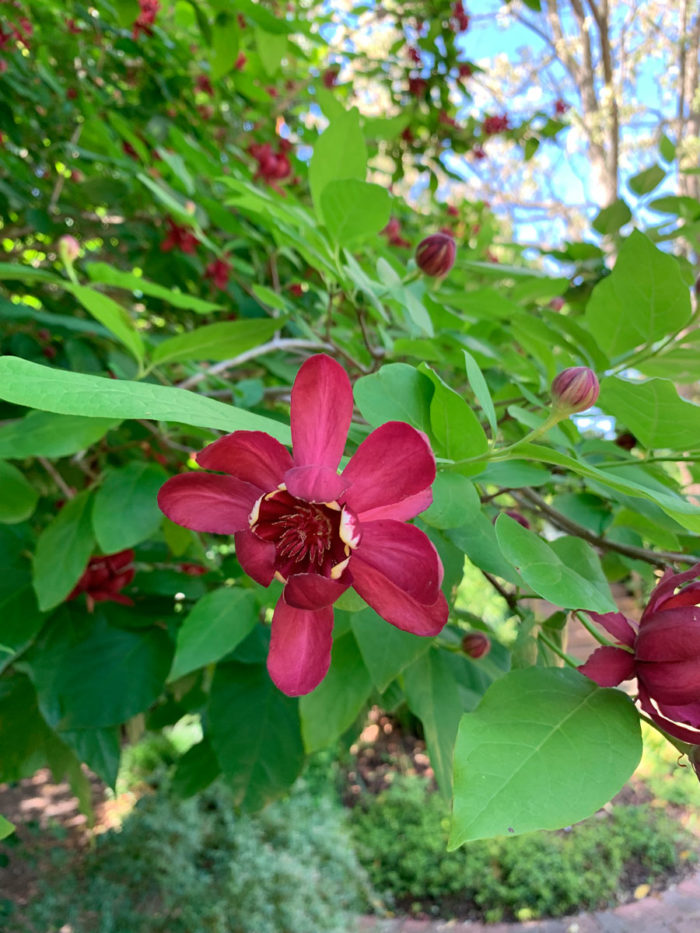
674	682
403	510
314	483
312	591
321	412
609	666
207	502
405	555
395	605
390	465
300	648
680	732
665	587
617	625
670	636
688	713
252	456
256	557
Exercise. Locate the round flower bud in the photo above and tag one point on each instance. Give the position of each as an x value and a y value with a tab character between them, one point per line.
68	249
575	389
476	645
435	255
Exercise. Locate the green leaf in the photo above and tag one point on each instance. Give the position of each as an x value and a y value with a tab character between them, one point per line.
455	501
611	218
216	342
396	392
432	694
643	299
542	569
6	828
338	700
18	497
43	434
481	390
26	383
667	149
26	739
91	675
679	206
105	274
126	509
339	153
653	411
544	749
477	539
354	209
196	770
225	40
454	425
386	650
255	734
99	749
272	48
112	316
514	474
647	180
63	550
217	623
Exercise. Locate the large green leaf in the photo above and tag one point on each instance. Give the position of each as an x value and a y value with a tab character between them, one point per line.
386	650
99	749
339	153
216	625
216	342
455	501
611	218
112	316
477	539
454	425
433	695
648	179
126	509
44	434
36	386
549	576
653	411
90	674
643	299
354	209
20	619
396	392
27	742
544	749
18	497
338	700
105	274
63	550
255	733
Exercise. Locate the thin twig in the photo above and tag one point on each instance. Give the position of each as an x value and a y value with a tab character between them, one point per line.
57	478
510	598
271	347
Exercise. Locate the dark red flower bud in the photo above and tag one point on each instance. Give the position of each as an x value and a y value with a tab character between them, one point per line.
193	570
626	440
296	289
476	645
493	125
241	59
330	76
452	210
560	107
556	304
697	286
417	86
575	389
516	516
414	55
104	577
465	70
435	255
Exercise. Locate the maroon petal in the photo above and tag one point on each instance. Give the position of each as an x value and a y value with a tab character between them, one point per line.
314	483
312	591
390	465
321	412
205	502
395	605
252	456
688	596
256	557
609	666
300	648
665	587
617	625
403	510
670	636
673	728
688	713
405	555
673	682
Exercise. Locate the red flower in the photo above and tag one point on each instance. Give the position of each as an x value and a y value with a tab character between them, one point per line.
330	76
663	654
417	86
493	125
218	271
179	237
476	645
560	107
575	389
103	579
392	232
146	18
479	153
465	70
73	27
414	55
241	59
296	289
460	17
204	84
296	520
272	166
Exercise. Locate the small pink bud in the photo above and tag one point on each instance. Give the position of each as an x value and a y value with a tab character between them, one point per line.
435	254
556	304
516	516
575	389
68	249
476	645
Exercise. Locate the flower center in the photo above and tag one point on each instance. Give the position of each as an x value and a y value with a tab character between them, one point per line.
309	537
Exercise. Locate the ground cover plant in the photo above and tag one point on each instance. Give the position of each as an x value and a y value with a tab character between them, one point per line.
268	383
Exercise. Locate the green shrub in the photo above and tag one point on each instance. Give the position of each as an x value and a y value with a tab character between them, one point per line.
401	835
194	866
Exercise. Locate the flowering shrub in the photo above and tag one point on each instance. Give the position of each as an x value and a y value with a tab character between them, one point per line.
212	255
